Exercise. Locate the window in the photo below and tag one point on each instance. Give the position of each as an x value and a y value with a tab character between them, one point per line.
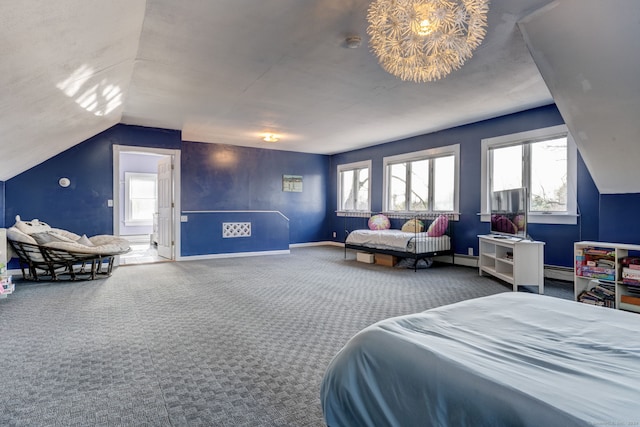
424	181
140	198
354	186
543	161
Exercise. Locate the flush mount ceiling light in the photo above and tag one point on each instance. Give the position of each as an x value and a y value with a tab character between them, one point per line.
353	42
425	40
270	137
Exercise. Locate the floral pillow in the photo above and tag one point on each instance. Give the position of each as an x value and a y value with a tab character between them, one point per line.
438	227
379	222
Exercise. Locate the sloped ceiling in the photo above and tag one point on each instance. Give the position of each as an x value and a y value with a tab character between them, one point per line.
590	59
227	71
64	73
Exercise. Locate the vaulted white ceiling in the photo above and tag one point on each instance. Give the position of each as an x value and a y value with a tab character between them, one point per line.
227	71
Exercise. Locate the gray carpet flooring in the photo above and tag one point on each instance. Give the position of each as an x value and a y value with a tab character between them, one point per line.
229	342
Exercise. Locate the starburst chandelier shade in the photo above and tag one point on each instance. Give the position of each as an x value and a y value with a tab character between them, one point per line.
425	40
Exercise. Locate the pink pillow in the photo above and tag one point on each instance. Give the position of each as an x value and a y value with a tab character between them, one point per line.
379	222
438	226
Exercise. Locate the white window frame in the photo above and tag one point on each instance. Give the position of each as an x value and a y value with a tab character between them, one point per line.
366	164
128	221
570	215
431	153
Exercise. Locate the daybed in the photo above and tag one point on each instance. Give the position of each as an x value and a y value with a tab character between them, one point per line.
51	253
413	239
511	359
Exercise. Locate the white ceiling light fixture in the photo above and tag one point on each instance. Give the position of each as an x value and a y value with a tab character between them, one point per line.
270	137
353	42
425	40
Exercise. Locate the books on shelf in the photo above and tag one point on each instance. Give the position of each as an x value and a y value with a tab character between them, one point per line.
630	273
631	262
608	274
602	294
630	299
595	262
597	272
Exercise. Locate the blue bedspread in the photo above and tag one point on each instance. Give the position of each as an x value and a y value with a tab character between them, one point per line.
511	359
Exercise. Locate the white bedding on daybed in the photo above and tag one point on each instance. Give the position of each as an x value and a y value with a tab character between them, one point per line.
399	240
512	359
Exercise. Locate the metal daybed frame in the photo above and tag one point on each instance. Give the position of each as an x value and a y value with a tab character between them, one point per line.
362	216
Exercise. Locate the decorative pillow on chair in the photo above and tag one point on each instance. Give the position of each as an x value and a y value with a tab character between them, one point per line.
30	227
379	222
13	233
438	227
413	226
84	240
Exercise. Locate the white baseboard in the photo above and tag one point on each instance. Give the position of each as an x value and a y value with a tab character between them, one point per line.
231	255
324	243
459	259
558	273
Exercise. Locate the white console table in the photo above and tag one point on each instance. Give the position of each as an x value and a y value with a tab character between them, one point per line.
513	260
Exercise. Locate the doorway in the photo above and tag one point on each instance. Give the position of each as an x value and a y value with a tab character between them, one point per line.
146	199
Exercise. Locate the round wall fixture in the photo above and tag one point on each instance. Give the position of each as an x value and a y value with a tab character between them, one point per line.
353	42
64	182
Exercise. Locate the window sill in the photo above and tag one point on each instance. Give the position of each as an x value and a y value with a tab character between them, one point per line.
138	223
557	218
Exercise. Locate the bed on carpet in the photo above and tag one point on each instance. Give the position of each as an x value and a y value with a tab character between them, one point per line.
417	237
511	359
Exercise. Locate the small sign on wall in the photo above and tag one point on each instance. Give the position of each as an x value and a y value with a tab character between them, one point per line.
292	183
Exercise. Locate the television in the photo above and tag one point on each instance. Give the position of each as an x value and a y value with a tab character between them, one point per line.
509	213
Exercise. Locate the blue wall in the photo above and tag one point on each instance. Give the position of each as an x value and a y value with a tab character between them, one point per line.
558	239
214	177
618	218
2	196
81	207
218	177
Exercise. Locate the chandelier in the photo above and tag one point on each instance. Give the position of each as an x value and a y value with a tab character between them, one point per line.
425	40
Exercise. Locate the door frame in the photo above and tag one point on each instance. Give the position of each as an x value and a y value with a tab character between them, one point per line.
175	154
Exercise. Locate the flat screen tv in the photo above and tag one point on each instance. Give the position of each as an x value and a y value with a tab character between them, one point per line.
509	212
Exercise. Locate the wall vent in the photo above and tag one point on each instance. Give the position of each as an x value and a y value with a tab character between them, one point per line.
236	229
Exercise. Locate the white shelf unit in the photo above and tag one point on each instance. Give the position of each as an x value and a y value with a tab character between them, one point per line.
6	284
619	250
513	260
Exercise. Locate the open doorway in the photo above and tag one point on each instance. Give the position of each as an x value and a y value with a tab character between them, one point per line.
146	202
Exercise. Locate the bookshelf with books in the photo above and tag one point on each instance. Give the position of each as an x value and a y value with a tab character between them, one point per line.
607	274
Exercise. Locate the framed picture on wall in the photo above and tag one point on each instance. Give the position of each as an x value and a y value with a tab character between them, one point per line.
292	183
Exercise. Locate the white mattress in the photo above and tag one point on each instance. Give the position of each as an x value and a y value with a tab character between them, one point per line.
398	240
512	359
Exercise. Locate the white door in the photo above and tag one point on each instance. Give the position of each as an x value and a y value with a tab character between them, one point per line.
165	208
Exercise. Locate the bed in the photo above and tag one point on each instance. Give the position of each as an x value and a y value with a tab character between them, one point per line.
511	359
415	237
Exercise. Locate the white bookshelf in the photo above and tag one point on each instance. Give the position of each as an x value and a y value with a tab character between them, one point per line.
583	280
513	260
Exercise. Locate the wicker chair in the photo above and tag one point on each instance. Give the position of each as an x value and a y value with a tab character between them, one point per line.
42	263
46	253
